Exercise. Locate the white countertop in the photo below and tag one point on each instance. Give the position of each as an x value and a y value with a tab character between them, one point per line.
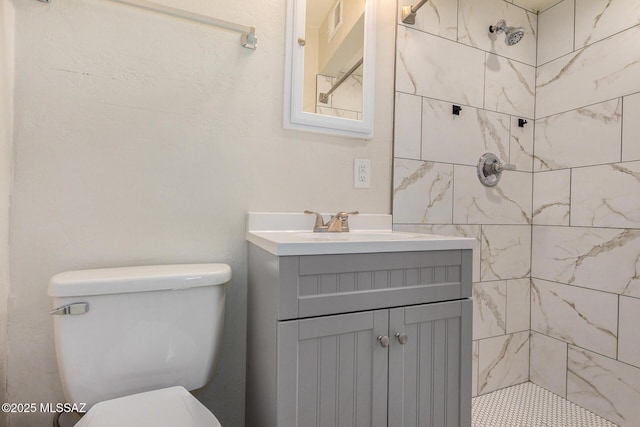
292	234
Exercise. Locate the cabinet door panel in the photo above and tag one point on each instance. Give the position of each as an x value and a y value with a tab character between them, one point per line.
429	380
333	372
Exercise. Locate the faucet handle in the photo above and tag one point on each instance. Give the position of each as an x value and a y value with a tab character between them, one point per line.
343	217
319	221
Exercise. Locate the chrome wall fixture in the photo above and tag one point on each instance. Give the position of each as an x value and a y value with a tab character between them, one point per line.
248	37
490	169
409	12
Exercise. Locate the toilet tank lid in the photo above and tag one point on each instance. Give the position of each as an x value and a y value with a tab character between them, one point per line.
122	280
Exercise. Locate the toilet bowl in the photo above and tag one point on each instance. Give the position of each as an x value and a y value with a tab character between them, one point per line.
131	341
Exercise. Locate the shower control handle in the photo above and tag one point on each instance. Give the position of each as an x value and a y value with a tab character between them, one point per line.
499	167
490	169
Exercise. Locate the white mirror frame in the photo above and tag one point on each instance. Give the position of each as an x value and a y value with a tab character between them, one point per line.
294	116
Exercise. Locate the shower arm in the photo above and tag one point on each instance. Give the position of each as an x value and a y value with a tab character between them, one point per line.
409	12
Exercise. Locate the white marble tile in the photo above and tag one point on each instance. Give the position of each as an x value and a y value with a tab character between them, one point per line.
348	96
551	197
598	19
518	305
509	86
503	361
463	138
509	202
407	126
549	363
606	196
489	309
474	369
521	145
631	128
629	333
465	230
438	17
555	31
434	67
505	252
605	386
422	192
474	20
336	112
586	256
579	316
601	71
582	137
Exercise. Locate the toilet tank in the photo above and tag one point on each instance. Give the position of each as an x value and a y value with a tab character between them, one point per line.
144	328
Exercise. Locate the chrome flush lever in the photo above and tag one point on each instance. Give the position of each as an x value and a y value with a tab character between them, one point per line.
75	308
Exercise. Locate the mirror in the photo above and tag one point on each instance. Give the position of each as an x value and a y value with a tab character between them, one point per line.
329	67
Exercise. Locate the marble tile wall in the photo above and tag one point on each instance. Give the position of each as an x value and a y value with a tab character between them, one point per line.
604	68
575	315
586	136
549	363
503	361
558	252
603	385
585	256
551	197
449	58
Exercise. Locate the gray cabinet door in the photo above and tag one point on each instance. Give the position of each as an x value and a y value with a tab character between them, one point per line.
430	374
332	371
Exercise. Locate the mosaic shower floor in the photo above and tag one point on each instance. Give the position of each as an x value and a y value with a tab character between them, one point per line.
528	405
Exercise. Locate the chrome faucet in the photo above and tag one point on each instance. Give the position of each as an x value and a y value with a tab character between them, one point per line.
338	223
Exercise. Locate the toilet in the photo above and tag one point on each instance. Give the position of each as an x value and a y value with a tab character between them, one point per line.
131	341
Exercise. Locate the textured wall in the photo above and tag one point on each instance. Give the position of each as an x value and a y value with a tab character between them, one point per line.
585	306
144	139
6	126
450	58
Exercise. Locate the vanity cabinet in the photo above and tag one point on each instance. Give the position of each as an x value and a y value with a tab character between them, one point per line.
359	339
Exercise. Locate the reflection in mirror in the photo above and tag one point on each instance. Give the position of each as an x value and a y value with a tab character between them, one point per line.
333	57
329	74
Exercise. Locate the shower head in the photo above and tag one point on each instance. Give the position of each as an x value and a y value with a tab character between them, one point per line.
512	34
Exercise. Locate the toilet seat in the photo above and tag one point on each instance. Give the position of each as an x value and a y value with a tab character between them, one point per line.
168	407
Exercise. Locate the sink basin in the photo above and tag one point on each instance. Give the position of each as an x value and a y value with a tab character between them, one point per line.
275	238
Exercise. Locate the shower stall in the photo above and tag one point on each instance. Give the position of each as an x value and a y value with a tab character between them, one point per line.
556	283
